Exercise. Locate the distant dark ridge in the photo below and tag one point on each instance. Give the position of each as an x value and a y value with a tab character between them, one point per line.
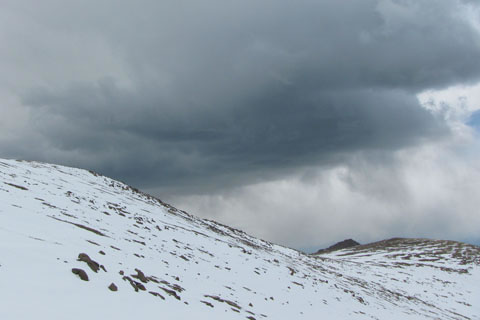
348	243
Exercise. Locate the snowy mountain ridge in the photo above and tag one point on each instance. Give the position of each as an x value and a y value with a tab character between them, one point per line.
77	244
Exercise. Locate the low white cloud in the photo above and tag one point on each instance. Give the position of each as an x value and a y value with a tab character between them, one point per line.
455	103
428	191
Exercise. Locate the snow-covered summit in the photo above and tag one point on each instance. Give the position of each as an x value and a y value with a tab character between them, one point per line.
78	245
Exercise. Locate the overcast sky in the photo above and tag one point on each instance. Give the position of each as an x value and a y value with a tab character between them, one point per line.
302	122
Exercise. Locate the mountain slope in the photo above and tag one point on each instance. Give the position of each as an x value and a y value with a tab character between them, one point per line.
58	224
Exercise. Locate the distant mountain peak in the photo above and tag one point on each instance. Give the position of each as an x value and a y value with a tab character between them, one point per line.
347	243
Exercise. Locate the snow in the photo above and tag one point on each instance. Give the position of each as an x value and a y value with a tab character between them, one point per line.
50	214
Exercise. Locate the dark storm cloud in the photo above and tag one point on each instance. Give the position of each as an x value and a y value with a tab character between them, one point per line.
274	130
246	90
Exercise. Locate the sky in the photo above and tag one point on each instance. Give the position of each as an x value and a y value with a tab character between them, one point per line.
301	122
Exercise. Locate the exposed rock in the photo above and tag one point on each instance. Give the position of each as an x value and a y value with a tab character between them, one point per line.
171	293
140	276
81	273
135	284
348	243
156	294
95	266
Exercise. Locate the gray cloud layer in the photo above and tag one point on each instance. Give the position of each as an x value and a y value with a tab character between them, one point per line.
276	129
188	97
229	91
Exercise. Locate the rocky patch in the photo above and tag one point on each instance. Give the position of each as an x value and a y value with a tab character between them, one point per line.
81	273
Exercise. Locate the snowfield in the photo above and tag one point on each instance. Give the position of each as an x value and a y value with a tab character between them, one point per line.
146	259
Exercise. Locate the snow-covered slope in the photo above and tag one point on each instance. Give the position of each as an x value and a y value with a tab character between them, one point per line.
146	259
